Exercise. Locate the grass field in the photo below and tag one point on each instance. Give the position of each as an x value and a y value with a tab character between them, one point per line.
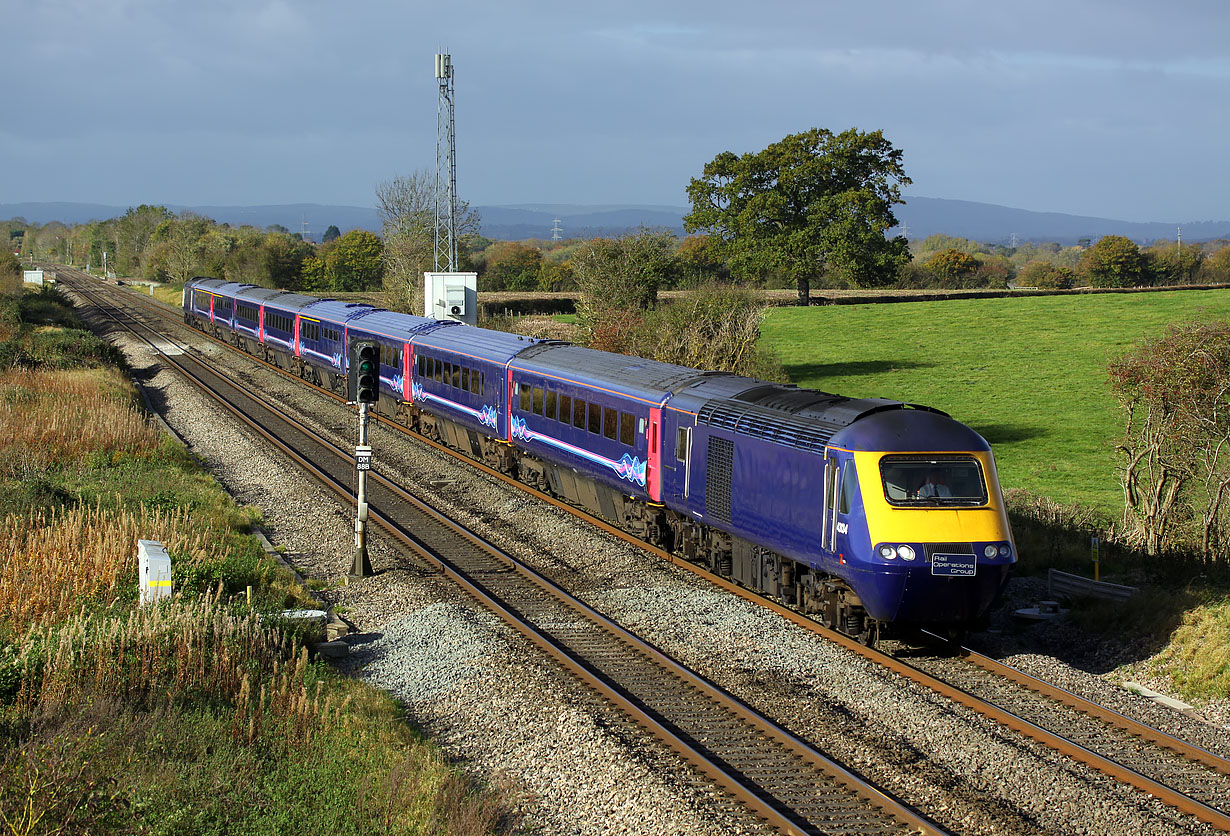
1028	374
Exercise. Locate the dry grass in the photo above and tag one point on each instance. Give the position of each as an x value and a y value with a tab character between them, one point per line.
64	416
51	564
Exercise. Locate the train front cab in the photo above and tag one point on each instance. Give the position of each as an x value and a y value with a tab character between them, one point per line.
922	534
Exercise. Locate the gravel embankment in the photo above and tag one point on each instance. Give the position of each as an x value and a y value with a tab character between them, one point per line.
573	766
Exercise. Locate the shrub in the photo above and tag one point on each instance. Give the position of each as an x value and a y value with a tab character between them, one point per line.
1045	275
1176	477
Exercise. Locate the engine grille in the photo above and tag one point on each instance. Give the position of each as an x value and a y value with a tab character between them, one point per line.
932	549
717	478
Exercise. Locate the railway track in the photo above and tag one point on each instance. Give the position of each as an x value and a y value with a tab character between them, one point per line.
1190	779
784	780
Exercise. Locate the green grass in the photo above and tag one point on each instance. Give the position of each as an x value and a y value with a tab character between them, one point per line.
1028	374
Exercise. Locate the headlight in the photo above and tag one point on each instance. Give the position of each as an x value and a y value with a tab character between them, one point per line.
888	552
906	552
1005	551
991	550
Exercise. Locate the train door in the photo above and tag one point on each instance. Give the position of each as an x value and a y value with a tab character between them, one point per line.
298	328
832	487
653	465
679	462
508	406
407	367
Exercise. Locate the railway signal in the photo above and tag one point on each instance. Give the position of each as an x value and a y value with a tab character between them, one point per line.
364	384
364	377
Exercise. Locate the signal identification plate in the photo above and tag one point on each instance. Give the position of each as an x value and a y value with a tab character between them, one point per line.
954	565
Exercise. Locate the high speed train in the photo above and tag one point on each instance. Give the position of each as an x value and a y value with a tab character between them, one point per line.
861	512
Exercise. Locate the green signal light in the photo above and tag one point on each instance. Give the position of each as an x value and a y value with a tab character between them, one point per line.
365	373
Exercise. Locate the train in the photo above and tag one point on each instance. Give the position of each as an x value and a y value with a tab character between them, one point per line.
864	513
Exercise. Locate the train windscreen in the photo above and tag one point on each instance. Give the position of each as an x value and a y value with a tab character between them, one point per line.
920	481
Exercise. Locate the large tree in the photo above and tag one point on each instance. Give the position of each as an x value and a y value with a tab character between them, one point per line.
810	203
1114	261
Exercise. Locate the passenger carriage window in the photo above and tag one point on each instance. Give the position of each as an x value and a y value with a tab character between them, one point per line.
565	409
476	382
448	374
681	444
437	370
552	404
420	367
610	422
578	413
525	397
537	400
627	428
456	375
465	379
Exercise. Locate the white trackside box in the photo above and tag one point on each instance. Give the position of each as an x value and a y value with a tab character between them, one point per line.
451	296
155	571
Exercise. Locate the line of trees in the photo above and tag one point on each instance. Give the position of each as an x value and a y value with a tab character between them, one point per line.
151	242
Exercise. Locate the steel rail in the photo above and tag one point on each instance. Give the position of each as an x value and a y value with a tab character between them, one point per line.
1174	798
1108	715
750	795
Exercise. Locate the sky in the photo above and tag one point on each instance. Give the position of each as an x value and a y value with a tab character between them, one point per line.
1109	108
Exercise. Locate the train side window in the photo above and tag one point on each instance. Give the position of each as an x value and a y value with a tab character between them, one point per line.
681	444
537	392
610	422
578	413
456	376
552	404
525	397
449	371
437	370
595	419
465	379
849	487
627	428
831	493
477	383
422	366
565	408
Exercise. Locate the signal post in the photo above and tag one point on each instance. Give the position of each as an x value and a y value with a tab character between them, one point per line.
364	385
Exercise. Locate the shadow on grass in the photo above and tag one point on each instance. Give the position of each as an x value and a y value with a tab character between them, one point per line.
1007	433
808	371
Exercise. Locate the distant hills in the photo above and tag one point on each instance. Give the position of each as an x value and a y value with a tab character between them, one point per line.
920	217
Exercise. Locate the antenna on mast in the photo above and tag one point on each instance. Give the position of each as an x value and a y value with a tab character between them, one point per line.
446	169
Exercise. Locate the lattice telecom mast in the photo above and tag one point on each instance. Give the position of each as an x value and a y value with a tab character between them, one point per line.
446	170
